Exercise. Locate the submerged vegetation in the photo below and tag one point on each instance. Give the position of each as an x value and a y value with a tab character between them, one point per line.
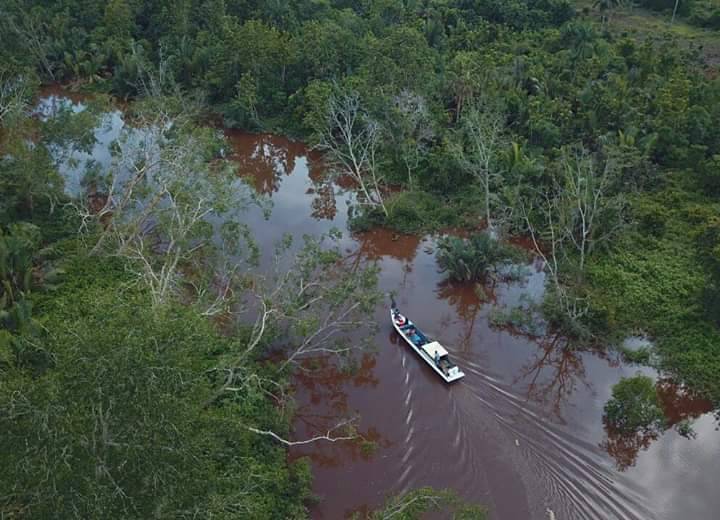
549	119
634	405
471	259
641	409
117	383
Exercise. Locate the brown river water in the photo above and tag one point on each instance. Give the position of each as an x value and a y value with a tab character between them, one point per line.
522	433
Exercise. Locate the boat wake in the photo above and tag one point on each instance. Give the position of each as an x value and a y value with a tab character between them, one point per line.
568	476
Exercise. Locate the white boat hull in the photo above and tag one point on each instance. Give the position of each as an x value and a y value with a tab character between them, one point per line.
431	362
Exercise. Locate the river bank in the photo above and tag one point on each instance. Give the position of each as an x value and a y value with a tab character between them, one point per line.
522	433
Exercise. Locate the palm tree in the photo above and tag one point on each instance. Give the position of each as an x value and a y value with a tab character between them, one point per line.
19	274
581	38
15	279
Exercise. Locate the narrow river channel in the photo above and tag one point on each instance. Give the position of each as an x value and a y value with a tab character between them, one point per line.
522	433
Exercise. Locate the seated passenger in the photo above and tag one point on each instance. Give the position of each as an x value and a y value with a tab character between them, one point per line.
414	336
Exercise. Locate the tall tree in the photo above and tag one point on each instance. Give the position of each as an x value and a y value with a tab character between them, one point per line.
409	128
482	139
350	139
568	220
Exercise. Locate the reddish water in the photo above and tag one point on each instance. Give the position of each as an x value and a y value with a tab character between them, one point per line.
521	433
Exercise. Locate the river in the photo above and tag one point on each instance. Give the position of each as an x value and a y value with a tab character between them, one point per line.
522	433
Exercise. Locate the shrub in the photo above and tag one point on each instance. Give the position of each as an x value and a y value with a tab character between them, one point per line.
634	406
470	259
409	212
641	356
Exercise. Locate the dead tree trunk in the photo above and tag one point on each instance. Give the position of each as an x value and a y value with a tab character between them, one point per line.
351	140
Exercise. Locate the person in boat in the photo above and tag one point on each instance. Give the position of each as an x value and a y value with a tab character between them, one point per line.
414	336
437	358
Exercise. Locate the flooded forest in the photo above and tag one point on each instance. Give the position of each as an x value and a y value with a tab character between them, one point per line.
359	259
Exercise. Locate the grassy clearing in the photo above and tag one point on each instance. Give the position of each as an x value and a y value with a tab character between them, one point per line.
642	23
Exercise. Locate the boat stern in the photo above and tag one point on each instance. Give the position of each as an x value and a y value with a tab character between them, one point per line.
454	374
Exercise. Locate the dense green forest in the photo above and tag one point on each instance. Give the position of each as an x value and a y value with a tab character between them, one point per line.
550	119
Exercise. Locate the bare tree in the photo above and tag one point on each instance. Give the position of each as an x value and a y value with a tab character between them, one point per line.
156	257
310	307
568	220
410	129
543	223
311	304
482	135
351	139
161	195
592	215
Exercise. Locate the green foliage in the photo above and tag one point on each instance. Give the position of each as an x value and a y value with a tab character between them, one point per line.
643	100
416	504
23	269
522	319
662	279
413	212
29	182
634	405
470	259
119	423
417	211
641	356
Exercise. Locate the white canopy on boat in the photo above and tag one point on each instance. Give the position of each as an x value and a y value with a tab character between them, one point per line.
432	348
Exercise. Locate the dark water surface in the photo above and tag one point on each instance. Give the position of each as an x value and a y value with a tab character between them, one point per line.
521	433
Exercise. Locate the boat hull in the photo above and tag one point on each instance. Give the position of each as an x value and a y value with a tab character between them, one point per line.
425	357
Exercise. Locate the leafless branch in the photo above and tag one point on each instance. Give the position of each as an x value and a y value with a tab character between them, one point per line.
351	139
329	437
483	127
399	508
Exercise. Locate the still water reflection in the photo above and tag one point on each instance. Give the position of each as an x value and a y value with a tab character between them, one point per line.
521	433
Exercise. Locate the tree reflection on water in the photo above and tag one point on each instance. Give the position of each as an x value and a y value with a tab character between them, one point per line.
679	406
324	204
467	300
322	391
264	158
554	373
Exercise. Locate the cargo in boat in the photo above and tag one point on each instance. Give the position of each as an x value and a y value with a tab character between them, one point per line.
432	352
